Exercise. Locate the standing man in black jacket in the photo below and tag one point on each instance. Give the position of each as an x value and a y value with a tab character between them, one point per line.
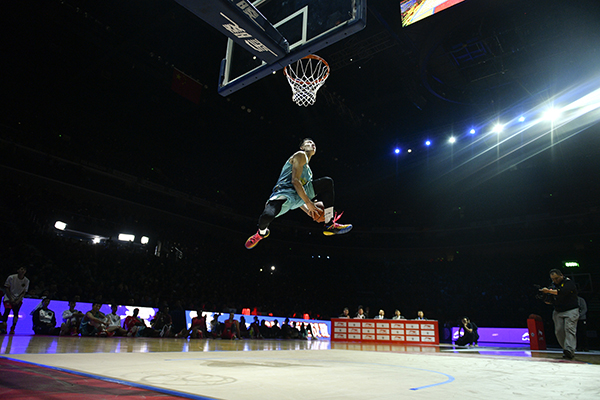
566	312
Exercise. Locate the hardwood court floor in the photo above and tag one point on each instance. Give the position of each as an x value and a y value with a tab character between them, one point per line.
278	369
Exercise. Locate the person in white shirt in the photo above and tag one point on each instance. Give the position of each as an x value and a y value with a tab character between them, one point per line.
71	320
361	313
397	315
381	315
113	322
15	288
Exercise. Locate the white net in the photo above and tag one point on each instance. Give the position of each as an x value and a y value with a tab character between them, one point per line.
306	76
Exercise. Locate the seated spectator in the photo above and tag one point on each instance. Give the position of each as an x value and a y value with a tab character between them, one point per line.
135	326
93	322
255	329
360	314
345	313
178	316
397	315
381	315
231	328
293	333
265	330
275	330
44	320
303	331
71	320
286	329
198	328
244	333
114	323
163	323
420	315
216	327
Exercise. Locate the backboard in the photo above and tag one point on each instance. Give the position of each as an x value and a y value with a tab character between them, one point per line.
307	25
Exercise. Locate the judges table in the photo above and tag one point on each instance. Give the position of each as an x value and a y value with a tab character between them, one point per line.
385	331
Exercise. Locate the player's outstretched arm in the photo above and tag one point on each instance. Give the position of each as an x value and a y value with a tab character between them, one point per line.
298	161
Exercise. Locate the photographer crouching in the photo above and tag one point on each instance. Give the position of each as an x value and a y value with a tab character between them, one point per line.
566	311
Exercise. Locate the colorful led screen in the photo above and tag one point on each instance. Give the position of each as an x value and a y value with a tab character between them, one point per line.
415	10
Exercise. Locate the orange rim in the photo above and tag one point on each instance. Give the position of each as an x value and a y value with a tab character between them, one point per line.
313	57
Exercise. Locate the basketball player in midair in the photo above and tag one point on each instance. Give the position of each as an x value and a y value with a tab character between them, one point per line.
296	188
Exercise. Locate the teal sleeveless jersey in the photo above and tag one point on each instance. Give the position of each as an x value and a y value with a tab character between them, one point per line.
284	189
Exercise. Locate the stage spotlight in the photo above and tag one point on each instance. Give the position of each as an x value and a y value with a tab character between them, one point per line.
144	239
428	143
452	139
397	151
498	128
60	225
272	268
410	150
521	119
123	237
472	131
551	114
96	240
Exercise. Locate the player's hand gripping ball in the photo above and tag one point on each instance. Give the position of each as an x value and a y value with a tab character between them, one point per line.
320	216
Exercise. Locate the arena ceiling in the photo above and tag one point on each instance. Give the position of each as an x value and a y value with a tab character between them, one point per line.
94	80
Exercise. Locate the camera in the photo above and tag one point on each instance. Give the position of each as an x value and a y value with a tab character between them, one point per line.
545	297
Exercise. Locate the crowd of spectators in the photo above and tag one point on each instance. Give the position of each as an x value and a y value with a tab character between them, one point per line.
93	322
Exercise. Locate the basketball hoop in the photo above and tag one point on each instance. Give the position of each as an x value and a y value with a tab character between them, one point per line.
306	76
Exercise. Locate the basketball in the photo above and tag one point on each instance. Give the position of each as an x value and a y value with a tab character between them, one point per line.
320	217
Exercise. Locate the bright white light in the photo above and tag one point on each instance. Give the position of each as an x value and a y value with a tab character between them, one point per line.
60	225
410	150
498	128
96	240
272	268
472	131
521	119
428	143
123	237
397	151
551	114
452	139
144	239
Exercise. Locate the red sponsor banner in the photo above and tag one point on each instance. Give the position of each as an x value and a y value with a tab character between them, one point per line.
414	332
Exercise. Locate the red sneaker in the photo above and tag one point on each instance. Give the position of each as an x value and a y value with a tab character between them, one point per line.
254	239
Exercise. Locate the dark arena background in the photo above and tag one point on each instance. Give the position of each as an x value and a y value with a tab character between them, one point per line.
464	146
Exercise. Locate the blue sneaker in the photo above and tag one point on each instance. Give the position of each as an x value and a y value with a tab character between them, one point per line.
333	228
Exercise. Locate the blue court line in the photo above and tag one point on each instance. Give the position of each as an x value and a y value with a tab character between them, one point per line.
449	380
120	382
